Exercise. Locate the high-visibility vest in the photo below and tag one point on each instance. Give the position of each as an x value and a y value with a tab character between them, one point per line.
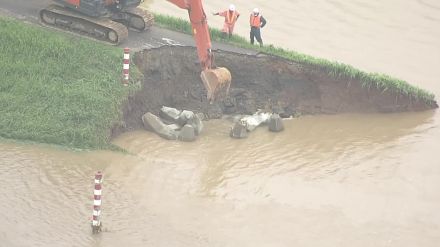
231	17
255	21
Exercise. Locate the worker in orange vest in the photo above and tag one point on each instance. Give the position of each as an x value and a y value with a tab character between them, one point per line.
231	15
257	22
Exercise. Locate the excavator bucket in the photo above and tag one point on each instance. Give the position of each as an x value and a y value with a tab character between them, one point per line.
217	82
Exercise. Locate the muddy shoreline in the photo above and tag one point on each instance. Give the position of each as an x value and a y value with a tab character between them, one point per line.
274	84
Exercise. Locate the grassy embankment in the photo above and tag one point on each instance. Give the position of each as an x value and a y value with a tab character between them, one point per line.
335	69
55	88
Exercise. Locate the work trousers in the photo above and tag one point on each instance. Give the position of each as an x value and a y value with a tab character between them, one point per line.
228	28
256	34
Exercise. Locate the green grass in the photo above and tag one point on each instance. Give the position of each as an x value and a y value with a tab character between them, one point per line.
334	69
55	88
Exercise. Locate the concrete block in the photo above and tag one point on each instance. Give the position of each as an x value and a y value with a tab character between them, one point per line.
238	131
275	123
196	123
185	116
153	123
169	114
187	134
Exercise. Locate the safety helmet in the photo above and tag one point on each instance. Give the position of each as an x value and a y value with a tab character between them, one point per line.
232	7
256	11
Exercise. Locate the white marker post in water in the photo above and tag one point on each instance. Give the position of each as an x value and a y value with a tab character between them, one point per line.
96	220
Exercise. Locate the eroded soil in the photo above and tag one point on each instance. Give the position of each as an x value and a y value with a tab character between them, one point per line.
171	78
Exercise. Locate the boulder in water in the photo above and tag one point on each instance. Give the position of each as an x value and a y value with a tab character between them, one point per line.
155	124
185	116
275	123
187	134
239	130
196	123
169	114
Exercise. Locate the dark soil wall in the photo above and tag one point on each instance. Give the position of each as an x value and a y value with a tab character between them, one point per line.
172	78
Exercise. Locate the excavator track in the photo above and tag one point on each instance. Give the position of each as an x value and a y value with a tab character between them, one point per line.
139	19
102	29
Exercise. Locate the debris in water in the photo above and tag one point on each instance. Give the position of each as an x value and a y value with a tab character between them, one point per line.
174	124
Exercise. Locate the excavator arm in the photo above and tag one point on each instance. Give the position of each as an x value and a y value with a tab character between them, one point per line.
216	80
197	18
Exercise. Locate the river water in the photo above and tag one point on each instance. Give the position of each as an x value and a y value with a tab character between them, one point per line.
345	180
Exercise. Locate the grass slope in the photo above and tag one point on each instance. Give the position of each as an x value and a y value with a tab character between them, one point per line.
57	89
335	69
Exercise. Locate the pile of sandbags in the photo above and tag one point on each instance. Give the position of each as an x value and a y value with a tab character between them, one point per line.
173	124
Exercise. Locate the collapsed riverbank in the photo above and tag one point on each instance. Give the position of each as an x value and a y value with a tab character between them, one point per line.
261	81
57	91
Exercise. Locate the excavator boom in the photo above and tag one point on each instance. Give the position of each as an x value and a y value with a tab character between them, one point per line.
108	20
216	80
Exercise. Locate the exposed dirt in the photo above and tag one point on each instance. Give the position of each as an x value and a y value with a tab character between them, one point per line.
171	78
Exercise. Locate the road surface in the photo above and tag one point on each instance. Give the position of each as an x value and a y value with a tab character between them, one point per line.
155	37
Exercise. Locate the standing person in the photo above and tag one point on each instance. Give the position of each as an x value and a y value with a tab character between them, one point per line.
257	22
231	16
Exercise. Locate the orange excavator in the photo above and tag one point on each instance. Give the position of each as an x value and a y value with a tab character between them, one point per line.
109	21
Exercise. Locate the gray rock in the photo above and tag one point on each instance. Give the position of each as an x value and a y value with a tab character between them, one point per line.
155	124
195	120
196	123
187	134
201	116
169	114
185	116
239	130
174	126
276	123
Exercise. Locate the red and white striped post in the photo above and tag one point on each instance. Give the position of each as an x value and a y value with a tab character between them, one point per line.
126	66
96	220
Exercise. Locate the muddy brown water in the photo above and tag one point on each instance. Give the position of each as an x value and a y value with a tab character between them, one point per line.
350	179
